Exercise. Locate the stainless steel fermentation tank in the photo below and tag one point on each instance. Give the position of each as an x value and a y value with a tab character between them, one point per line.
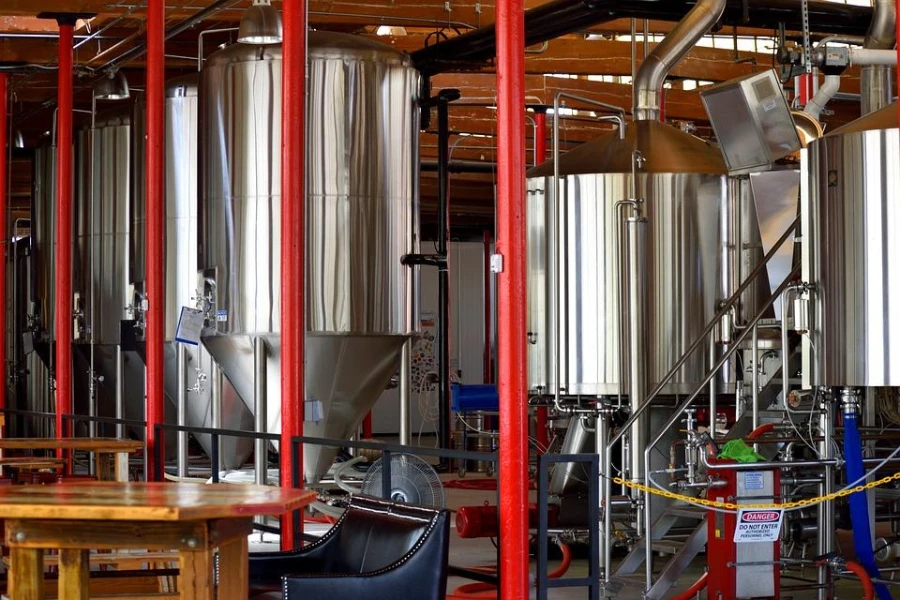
852	259
100	270
360	219
690	205
182	286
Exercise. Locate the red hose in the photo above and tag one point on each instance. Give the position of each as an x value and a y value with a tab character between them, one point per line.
689	593
864	579
489	590
761	430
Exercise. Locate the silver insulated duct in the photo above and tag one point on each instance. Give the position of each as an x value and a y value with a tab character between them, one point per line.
875	80
683	37
360	210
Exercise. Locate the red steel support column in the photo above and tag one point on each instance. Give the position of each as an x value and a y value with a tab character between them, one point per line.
4	239
293	240
511	324
540	155
155	207
63	324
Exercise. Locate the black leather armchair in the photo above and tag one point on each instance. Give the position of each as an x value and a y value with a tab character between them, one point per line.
377	550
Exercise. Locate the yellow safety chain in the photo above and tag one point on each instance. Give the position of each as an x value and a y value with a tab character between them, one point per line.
732	506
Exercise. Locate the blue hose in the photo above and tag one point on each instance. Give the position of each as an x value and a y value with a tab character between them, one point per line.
859	506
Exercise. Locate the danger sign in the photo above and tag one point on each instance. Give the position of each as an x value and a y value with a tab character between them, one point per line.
758	526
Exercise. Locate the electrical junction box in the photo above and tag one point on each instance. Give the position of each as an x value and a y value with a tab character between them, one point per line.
743	549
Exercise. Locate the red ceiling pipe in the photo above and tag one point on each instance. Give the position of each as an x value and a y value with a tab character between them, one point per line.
511	324
63	324
488	359
293	239
155	206
4	246
540	155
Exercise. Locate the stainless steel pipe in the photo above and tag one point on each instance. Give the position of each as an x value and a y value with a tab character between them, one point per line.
181	369
260	418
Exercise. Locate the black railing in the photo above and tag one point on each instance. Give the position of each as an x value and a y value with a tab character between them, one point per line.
592	581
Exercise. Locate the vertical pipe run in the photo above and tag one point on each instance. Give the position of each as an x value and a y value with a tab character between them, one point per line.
155	207
4	241
511	295
636	232
713	400
181	382
260	418
405	360
826	509
540	155
443	236
293	198
487	359
215	401
64	186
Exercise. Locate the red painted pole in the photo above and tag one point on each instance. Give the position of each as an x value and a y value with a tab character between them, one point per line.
540	155
367	426
155	206
487	360
293	256
4	241
511	325
63	324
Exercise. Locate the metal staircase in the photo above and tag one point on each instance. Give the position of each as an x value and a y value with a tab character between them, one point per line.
681	551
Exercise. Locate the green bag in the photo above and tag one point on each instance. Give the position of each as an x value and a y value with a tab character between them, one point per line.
738	451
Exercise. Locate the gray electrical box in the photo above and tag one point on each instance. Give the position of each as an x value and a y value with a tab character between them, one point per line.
752	121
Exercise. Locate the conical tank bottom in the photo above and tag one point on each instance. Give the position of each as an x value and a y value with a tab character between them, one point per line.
345	376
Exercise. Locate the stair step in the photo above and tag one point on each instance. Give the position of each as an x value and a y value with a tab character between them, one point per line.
633	581
667	546
691	512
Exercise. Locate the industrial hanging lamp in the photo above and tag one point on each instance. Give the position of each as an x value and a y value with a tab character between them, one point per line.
113	87
261	24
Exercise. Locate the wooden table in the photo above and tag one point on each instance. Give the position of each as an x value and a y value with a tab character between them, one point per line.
110	454
193	518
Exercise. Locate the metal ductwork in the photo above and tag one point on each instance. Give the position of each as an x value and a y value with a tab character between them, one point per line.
561	17
652	74
875	80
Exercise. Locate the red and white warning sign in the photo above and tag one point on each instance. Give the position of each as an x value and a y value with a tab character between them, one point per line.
758	526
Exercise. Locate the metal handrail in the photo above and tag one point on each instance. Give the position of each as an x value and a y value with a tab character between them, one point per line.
648	518
725	308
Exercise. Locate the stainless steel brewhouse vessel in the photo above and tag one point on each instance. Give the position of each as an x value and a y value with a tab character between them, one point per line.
362	157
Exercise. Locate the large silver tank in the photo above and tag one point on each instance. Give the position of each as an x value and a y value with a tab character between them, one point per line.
182	283
687	203
44	232
853	258
361	181
102	178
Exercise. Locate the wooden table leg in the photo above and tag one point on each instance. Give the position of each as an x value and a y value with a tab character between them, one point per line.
26	579
74	566
196	580
121	466
234	577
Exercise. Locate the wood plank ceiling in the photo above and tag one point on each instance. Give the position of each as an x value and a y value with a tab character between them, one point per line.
575	63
